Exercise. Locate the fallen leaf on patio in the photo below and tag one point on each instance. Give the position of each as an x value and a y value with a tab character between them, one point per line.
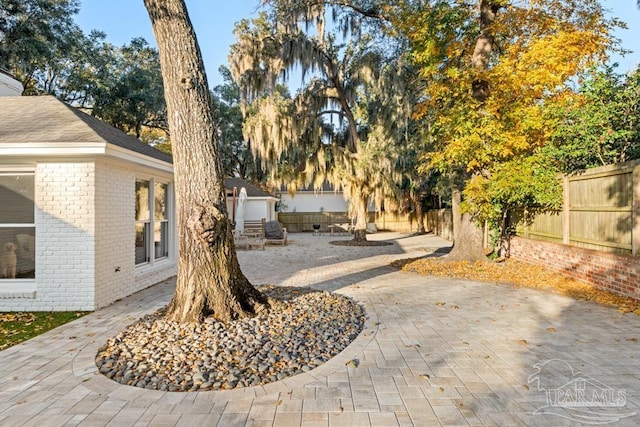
518	274
465	343
551	329
440	303
353	362
455	307
524	386
522	342
425	376
634	339
441	389
279	402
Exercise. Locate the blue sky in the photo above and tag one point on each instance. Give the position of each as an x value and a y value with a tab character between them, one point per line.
214	20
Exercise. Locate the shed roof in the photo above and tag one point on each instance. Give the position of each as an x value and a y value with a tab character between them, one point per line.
252	190
45	119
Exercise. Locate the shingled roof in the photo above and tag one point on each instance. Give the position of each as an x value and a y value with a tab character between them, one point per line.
252	190
45	119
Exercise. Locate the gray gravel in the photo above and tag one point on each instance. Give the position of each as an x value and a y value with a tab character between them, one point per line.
309	329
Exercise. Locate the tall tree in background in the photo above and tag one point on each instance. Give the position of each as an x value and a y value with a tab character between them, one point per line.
130	97
342	124
42	46
237	159
601	124
33	33
120	85
491	70
209	278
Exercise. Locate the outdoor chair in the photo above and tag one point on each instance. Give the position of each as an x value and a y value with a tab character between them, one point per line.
254	231
275	233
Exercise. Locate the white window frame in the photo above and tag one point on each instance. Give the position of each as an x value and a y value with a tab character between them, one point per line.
151	221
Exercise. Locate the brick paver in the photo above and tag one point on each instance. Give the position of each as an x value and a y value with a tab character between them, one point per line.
434	352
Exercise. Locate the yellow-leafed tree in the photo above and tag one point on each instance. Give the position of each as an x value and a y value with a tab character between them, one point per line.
491	70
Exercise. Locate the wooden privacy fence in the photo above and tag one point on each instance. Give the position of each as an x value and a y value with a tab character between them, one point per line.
436	220
440	222
296	222
600	211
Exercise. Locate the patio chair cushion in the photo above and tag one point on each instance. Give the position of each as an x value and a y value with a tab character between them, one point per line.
273	230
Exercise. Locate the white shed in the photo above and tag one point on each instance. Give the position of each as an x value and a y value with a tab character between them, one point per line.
259	204
308	199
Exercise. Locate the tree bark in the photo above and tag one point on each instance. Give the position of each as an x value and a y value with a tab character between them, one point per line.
417	201
209	278
467	236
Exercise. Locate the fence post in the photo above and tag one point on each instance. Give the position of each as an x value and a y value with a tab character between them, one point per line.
566	211
635	225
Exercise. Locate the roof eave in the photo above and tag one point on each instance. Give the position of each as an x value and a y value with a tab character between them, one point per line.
51	148
55	149
138	158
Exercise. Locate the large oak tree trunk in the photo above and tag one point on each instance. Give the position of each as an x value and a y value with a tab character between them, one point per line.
467	236
209	278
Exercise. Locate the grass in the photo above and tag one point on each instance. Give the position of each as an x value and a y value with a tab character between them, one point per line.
21	326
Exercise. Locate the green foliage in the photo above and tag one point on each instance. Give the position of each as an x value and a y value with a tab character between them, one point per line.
34	32
237	159
42	46
601	125
528	181
128	93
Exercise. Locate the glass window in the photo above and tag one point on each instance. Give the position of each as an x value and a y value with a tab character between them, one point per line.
142	222
161	223
17	226
152	216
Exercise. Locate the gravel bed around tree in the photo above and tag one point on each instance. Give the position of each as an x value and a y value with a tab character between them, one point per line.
303	331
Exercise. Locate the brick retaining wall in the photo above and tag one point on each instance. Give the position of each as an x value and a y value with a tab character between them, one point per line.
616	273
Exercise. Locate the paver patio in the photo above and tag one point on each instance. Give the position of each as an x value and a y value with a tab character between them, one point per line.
434	351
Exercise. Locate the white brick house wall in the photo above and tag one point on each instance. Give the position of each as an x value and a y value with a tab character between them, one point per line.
85	252
65	235
114	257
116	273
64	220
